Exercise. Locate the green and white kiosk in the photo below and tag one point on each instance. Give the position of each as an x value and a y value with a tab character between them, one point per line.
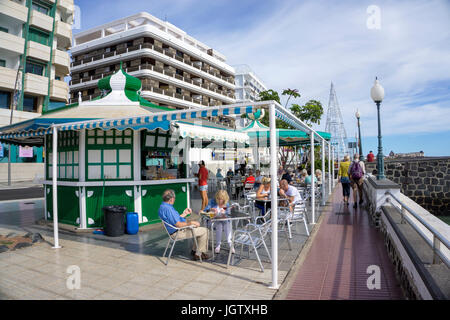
128	158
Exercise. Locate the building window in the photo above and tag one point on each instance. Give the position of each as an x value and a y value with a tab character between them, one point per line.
5	100
39	36
2	63
178	90
109	154
67	156
29	104
40	7
179	53
4	29
35	68
58	78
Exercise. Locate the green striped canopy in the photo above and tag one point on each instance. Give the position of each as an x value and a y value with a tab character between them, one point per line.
286	137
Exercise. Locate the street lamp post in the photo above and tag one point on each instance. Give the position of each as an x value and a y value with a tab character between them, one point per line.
377	94
361	156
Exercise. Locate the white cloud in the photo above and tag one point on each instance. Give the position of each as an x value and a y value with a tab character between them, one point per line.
307	45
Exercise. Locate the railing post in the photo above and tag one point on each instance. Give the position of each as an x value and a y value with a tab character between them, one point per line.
403	214
436	248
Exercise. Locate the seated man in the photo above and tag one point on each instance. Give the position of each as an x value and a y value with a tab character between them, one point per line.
168	214
289	192
250	178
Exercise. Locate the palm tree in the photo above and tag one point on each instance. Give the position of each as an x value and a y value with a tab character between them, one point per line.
291	93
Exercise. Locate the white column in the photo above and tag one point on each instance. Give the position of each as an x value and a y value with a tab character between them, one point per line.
187	154
313	189
45	177
137	172
82	156
332	165
323	171
329	168
274	195
55	187
82	177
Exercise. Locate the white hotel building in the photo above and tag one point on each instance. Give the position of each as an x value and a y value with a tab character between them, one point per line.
176	70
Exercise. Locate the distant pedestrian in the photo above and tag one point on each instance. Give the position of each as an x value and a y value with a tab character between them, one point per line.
203	183
356	173
287	176
344	179
370	157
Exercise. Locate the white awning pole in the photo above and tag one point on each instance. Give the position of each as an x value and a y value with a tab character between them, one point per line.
323	172
329	168
274	195
55	187
332	157
313	187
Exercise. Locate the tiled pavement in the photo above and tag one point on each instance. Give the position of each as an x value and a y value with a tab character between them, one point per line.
335	267
128	267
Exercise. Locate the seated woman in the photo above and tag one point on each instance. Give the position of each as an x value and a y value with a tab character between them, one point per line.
319	176
263	193
220	206
303	175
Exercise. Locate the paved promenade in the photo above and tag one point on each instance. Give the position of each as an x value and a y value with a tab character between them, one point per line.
335	266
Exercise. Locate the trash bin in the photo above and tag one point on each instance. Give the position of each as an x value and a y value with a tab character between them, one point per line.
132	222
114	220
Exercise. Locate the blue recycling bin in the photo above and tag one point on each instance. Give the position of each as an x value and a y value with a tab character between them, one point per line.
132	222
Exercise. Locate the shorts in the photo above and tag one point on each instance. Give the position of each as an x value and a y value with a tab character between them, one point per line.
359	182
203	188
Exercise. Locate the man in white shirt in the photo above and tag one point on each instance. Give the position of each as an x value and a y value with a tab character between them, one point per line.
289	192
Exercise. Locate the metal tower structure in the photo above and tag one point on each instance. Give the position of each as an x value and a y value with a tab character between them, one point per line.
335	126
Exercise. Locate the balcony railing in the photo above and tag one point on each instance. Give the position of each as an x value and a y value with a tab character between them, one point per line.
96	57
148	66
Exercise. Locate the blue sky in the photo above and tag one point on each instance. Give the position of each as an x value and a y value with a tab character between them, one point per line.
307	44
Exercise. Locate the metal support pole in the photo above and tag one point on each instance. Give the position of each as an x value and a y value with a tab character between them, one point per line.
332	164
436	248
313	186
361	156
274	194
323	172
329	168
55	187
380	157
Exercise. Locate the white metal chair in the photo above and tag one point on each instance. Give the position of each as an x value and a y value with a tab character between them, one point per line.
253	238
297	215
176	239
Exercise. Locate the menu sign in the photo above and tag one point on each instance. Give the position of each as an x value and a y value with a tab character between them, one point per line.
26	152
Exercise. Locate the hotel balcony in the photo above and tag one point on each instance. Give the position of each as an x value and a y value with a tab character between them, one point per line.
63	32
66	5
151	50
11	43
14	10
35	84
38	51
42	21
61	61
8	78
59	90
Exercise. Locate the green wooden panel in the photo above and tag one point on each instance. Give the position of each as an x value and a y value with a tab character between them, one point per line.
68	205
152	200
112	196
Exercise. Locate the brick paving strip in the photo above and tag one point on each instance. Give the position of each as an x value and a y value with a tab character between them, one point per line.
333	264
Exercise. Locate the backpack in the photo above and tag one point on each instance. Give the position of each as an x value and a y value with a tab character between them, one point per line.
356	171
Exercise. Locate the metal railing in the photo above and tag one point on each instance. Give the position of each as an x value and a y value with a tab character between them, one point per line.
438	238
147	66
166	52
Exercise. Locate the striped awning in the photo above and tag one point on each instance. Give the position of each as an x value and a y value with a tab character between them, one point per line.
193	131
161	120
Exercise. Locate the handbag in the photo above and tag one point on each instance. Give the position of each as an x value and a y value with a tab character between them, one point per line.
345	180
